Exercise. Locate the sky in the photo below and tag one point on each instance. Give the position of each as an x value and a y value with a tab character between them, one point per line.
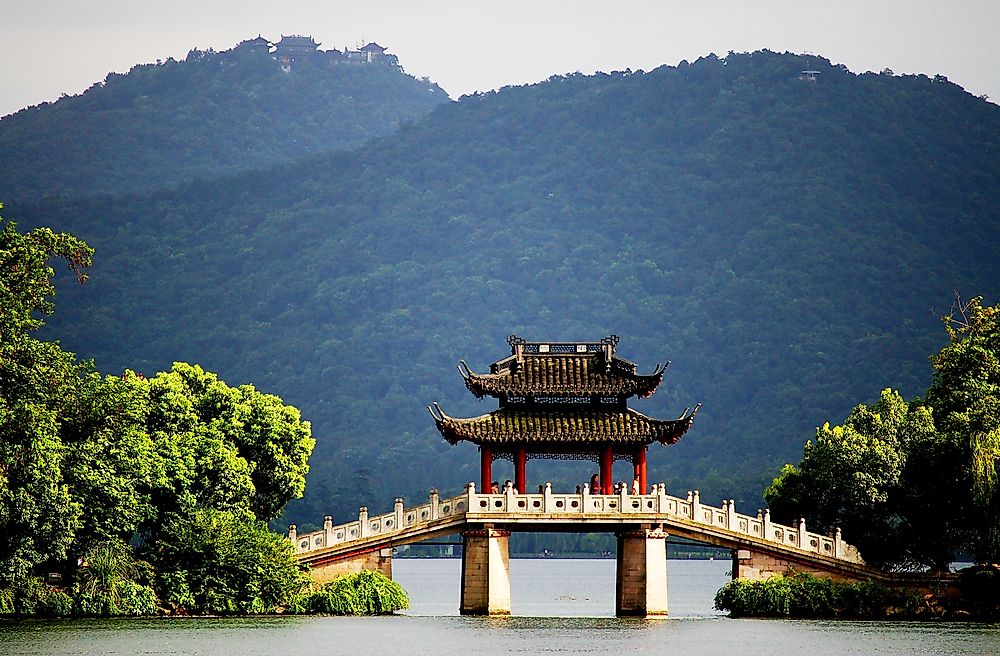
55	47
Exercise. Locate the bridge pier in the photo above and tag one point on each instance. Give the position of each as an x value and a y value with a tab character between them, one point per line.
485	573
641	581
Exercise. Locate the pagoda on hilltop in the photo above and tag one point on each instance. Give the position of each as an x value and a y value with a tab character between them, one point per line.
564	400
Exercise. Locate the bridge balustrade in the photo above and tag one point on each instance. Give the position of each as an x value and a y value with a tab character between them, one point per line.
509	506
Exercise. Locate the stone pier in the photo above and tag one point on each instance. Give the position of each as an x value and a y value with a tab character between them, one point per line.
641	586
485	573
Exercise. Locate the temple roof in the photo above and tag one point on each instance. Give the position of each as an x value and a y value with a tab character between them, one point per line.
296	40
557	369
259	41
571	426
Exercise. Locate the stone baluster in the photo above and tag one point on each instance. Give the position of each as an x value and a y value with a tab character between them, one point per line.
470	496
509	504
293	536
803	536
696	513
731	522
768	532
328	530
363	521
548	503
661	497
838	546
585	497
435	501
397	509
623	492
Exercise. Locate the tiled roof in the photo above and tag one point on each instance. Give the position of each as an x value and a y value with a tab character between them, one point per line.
509	426
562	375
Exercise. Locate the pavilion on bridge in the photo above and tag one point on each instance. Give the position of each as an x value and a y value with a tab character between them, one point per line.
564	400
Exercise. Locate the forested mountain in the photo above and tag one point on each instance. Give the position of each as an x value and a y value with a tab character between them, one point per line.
212	114
785	242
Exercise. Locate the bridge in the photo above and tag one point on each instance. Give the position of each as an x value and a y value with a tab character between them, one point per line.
641	522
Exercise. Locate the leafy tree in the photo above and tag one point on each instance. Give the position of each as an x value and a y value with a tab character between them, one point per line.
38	516
225	448
850	477
111	464
217	561
965	395
914	483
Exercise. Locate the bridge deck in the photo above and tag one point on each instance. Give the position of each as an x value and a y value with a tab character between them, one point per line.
689	518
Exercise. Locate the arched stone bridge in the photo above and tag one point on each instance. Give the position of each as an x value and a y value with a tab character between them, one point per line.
759	546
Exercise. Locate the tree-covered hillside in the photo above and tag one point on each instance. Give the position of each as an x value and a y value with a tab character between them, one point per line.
209	115
784	242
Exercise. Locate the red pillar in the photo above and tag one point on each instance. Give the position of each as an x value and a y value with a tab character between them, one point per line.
520	461
640	466
607	478
486	468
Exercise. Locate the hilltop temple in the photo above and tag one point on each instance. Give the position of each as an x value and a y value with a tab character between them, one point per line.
565	400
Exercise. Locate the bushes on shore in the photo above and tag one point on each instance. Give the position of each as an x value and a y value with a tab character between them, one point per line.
804	595
363	593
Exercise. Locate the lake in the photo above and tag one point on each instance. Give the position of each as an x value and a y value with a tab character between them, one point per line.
559	606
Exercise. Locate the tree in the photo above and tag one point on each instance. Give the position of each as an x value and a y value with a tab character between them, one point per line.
225	448
852	477
37	513
217	561
965	395
111	464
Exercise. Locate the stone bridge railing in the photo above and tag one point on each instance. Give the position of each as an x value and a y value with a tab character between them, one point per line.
399	520
556	507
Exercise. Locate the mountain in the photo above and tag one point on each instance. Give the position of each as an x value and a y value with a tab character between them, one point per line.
215	113
788	243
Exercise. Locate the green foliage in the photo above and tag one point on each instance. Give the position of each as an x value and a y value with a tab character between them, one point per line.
913	483
805	595
854	477
965	395
128	599
226	448
37	514
363	593
108	584
218	562
88	462
31	597
111	465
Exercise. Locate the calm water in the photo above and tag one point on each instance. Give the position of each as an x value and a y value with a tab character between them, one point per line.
561	607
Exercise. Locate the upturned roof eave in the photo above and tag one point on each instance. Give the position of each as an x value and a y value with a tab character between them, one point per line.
479	430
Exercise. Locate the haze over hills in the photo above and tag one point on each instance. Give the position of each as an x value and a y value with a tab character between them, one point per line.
782	240
214	113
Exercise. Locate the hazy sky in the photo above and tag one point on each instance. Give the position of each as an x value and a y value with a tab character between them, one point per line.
51	47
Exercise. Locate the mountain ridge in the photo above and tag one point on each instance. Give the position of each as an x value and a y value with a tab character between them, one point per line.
780	240
215	113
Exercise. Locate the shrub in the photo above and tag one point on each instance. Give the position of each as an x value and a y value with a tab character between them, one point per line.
106	584
32	597
220	562
363	593
805	595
